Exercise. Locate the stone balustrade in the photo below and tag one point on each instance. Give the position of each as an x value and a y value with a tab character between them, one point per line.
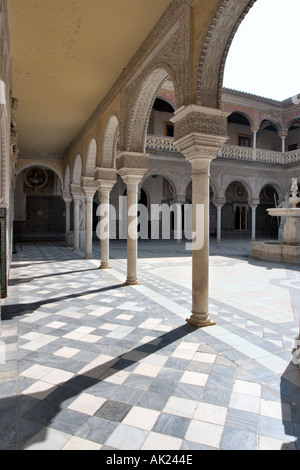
263	156
156	143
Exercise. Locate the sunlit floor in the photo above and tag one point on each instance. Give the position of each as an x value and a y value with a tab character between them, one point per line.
87	363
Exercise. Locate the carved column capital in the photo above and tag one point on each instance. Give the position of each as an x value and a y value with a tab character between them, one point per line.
76	192
67	197
200	133
132	166
89	187
105	178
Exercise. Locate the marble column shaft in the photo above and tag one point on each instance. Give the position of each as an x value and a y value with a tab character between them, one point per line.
77	197
68	200
89	192
132	167
199	134
105	179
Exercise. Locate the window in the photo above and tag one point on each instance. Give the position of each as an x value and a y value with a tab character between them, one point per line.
244	141
169	129
292	147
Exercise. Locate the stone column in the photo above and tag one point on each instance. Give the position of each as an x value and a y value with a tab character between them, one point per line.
199	134
179	202
105	179
254	130
68	199
283	139
89	188
254	205
219	203
132	167
77	196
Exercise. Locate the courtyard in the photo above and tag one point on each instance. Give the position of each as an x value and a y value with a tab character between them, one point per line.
88	363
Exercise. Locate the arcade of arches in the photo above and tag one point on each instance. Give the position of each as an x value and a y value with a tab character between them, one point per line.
165	131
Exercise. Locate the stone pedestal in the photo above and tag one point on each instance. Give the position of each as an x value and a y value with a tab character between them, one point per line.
132	167
199	135
291	233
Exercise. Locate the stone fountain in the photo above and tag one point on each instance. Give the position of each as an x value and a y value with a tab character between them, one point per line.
286	250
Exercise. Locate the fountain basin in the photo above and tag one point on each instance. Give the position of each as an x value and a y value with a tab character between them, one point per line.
277	252
288	250
282	212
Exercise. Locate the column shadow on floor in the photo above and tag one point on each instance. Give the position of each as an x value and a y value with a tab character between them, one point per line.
35	414
16	310
14	282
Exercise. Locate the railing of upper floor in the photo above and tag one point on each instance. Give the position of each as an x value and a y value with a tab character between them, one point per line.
233	152
259	155
158	143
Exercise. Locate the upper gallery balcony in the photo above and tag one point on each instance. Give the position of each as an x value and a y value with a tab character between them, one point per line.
157	144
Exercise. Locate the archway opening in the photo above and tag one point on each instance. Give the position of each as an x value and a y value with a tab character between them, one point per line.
236	219
39	212
239	130
267	226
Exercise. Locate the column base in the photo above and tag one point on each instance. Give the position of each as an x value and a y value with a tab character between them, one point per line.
200	320
105	266
89	256
132	282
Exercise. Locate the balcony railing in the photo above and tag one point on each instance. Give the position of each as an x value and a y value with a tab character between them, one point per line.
263	156
157	143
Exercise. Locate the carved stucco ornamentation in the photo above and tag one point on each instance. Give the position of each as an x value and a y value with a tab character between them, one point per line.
105	174
214	51
201	123
91	159
77	170
67	178
109	142
171	60
177	9
132	160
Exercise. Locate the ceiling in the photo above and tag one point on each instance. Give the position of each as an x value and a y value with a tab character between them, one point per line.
66	54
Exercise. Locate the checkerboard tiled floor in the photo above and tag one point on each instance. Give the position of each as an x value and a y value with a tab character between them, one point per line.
87	363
